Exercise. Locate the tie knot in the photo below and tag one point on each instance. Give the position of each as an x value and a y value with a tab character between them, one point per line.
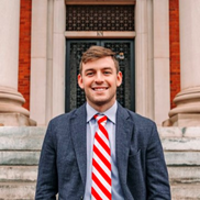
101	119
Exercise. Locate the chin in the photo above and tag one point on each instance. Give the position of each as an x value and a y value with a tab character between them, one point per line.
99	101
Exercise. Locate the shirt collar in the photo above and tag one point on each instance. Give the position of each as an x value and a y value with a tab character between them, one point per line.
110	113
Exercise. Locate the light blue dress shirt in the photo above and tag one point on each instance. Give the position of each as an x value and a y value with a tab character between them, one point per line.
92	126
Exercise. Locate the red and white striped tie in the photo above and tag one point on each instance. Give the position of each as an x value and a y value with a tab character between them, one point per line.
101	163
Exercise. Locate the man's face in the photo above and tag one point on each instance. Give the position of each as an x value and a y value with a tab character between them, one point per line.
100	80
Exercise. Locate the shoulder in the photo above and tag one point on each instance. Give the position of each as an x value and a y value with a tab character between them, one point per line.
143	125
140	120
144	129
63	120
137	119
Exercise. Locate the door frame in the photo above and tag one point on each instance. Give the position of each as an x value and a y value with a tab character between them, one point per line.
100	42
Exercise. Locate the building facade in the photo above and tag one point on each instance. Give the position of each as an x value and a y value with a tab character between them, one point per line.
36	47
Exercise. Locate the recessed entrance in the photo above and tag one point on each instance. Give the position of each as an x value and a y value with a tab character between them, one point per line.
74	96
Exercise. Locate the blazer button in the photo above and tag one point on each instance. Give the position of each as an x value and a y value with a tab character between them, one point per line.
81	198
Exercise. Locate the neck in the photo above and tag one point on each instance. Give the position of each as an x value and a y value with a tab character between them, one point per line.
102	107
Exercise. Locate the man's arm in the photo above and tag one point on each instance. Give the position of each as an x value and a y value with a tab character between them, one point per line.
47	183
157	176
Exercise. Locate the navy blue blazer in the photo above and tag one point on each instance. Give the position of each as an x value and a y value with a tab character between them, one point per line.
62	167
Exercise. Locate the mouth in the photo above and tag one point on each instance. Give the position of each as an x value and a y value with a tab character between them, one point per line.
100	88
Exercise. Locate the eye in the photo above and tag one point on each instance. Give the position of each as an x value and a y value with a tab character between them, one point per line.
89	73
107	72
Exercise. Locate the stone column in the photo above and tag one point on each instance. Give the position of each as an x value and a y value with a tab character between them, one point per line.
187	112
11	110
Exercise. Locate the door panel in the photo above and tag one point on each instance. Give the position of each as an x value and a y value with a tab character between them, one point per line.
125	54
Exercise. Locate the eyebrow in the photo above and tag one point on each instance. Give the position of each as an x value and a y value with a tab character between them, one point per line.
108	68
90	69
104	68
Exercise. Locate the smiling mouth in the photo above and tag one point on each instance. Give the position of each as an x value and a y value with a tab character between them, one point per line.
99	89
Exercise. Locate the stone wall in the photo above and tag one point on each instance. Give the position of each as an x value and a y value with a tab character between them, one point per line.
20	152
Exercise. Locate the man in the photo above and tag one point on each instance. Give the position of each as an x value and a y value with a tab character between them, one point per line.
101	150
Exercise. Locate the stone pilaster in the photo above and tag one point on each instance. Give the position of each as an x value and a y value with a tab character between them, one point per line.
152	59
11	110
47	60
187	112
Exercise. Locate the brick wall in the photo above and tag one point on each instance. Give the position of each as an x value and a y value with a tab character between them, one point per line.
25	51
174	49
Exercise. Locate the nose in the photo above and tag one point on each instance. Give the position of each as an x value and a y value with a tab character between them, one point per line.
99	78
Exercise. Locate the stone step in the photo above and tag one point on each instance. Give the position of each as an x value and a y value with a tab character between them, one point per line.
181	144
181	175
31	138
26	191
184	175
18	173
180	139
185	192
11	190
21	138
179	132
19	157
32	158
17	190
182	158
185	182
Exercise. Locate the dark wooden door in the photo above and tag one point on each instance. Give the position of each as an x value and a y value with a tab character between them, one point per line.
74	96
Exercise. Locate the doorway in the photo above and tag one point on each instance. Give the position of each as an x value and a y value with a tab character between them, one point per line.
74	96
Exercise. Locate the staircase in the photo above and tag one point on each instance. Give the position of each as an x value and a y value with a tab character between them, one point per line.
20	151
182	154
19	154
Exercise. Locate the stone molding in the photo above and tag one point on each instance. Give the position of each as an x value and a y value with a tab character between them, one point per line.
187	101
11	101
187	112
11	111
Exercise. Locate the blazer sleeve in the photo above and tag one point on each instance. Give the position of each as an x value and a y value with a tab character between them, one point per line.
157	176
47	188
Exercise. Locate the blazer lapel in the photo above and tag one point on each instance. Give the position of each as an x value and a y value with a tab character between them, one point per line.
78	132
124	127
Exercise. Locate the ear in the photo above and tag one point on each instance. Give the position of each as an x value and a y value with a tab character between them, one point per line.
80	81
119	78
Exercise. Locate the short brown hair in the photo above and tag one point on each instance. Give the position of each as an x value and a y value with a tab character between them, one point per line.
95	53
